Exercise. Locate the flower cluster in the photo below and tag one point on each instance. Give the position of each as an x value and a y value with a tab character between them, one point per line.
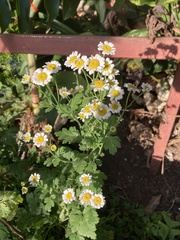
86	197
40	139
42	76
33	181
102	86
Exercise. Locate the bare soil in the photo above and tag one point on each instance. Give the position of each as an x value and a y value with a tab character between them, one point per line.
128	172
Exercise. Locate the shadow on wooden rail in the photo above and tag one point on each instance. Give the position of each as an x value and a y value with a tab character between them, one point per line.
126	47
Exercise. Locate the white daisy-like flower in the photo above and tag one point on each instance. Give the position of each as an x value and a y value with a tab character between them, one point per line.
113	82
25	79
95	63
80	63
106	48
95	105
34	179
87	110
40	139
116	93
41	77
72	90
53	66
27	137
85	197
146	87
64	93
24	190
103	112
113	73
99	85
108	67
85	179
98	201
79	88
115	107
70	60
131	87
47	128
82	116
68	195
53	147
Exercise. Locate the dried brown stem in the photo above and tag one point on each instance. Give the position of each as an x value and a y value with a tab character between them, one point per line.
11	228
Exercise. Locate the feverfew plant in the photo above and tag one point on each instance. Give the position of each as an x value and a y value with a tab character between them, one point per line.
66	185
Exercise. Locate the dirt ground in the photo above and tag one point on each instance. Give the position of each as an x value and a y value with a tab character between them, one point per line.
128	172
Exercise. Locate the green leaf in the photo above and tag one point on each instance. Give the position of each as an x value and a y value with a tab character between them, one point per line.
170	223
52	9
87	227
112	143
49	203
4	233
69	8
23	8
100	6
68	135
68	79
79	165
173	233
163	231
143	2
8	204
76	101
82	225
5	14
137	33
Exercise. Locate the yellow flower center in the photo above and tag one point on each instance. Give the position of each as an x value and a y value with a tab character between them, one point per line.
111	83
99	83
40	139
87	109
115	106
95	106
69	196
72	59
86	197
94	64
42	76
53	147
131	86
81	115
27	137
85	179
72	91
106	48
24	190
107	66
115	93
48	128
64	94
35	179
79	63
51	66
102	111
97	200
26	78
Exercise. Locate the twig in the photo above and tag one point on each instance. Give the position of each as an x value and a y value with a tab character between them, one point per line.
11	228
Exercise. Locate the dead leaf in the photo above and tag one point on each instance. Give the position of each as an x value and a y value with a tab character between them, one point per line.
152	205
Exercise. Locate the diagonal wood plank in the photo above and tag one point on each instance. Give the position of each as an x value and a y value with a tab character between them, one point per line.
166	126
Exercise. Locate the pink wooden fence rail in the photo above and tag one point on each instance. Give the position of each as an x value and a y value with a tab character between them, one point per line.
126	47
